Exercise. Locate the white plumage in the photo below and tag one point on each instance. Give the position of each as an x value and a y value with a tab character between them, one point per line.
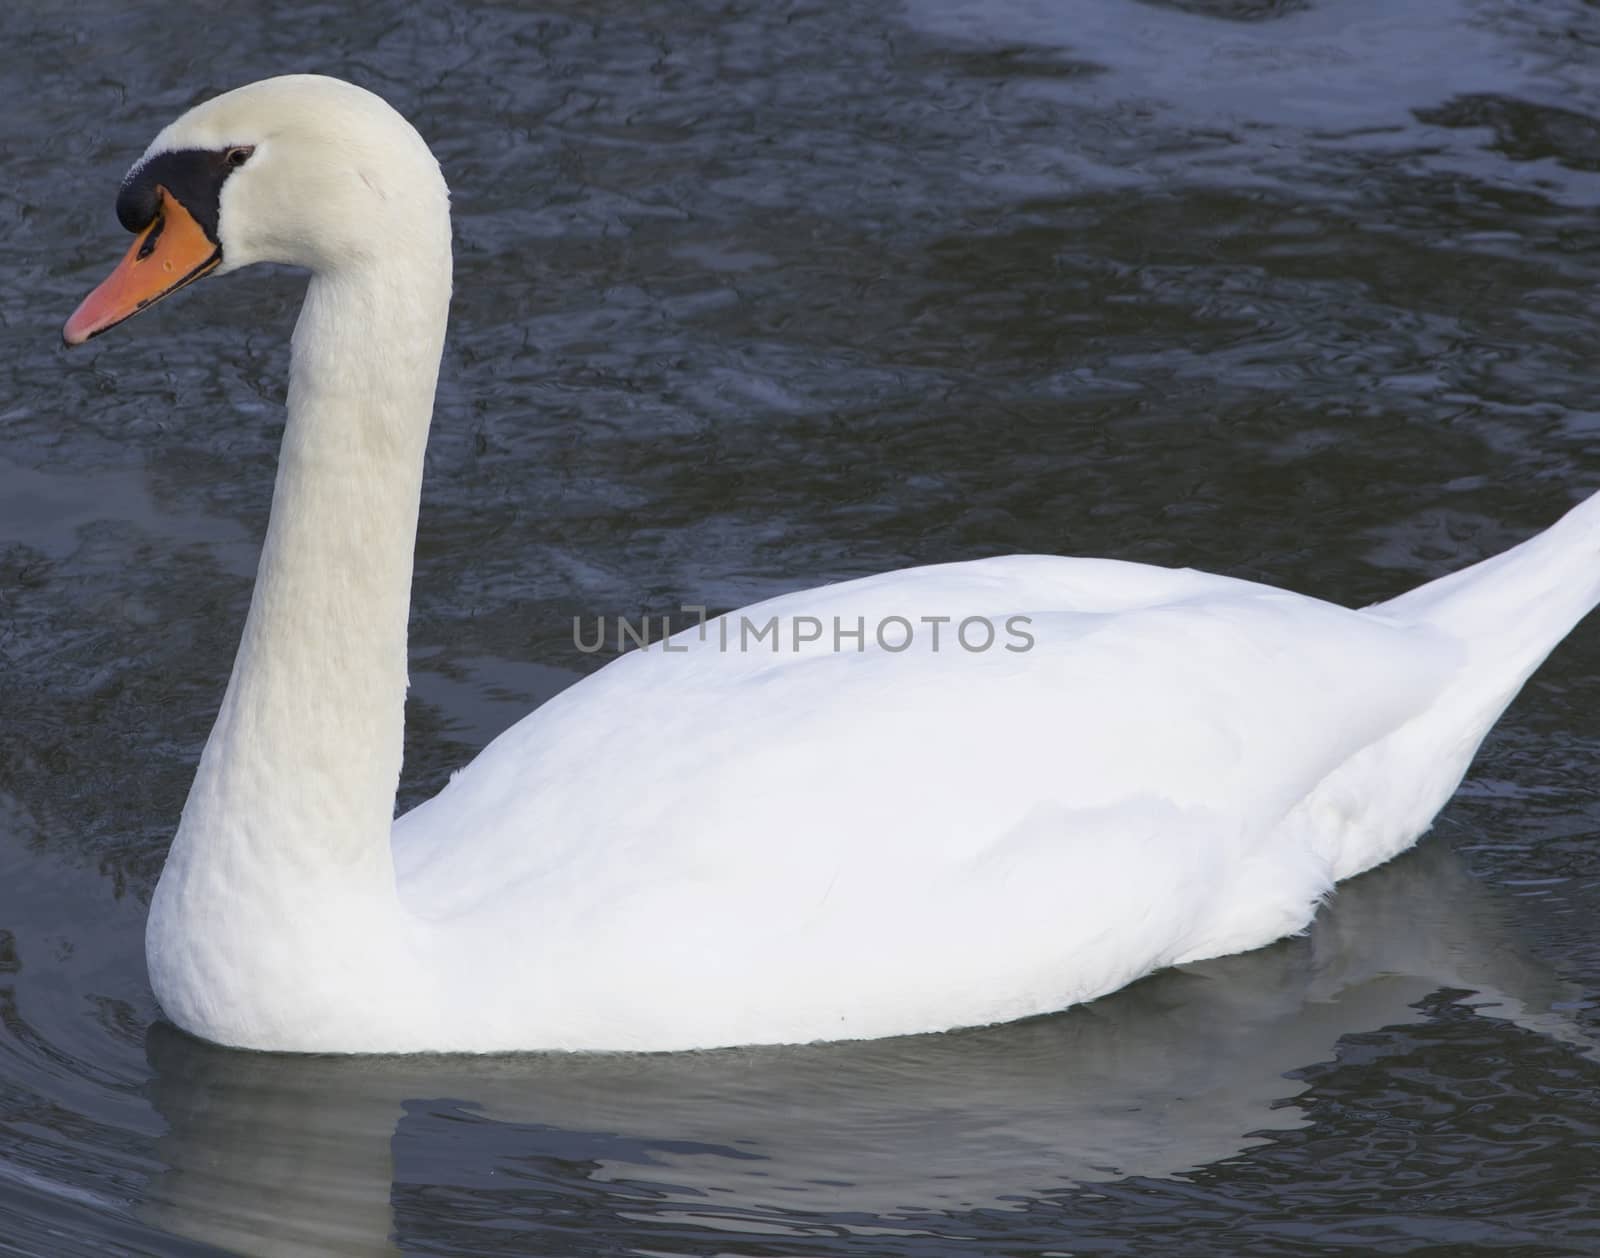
707	846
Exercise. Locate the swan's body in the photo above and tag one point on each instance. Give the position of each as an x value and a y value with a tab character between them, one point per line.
716	845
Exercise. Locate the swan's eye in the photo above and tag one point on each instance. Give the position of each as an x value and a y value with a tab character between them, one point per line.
240	155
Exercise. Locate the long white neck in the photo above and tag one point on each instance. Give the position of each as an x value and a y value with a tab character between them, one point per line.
300	771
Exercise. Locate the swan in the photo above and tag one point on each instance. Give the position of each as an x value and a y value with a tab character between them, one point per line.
832	829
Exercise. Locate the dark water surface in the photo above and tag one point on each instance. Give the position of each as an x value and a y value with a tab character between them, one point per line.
752	297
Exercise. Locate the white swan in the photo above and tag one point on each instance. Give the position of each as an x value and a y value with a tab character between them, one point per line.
711	846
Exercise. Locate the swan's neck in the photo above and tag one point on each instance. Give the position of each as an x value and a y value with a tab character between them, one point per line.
298	778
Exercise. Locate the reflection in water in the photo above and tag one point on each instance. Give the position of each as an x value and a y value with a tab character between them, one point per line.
1179	1071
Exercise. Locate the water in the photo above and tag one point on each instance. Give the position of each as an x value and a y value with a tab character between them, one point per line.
750	298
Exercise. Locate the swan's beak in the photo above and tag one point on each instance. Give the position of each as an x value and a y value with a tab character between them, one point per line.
173	251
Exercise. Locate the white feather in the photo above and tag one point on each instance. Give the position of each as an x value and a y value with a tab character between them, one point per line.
703	845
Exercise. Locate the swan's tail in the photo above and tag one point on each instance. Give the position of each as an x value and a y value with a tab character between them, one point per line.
1507	614
1517	606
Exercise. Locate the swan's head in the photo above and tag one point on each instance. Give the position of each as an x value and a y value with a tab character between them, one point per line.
304	170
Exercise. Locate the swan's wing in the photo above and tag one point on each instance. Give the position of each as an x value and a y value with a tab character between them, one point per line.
1201	693
765	845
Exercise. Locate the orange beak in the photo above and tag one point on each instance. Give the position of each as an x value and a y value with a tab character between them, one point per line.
173	251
